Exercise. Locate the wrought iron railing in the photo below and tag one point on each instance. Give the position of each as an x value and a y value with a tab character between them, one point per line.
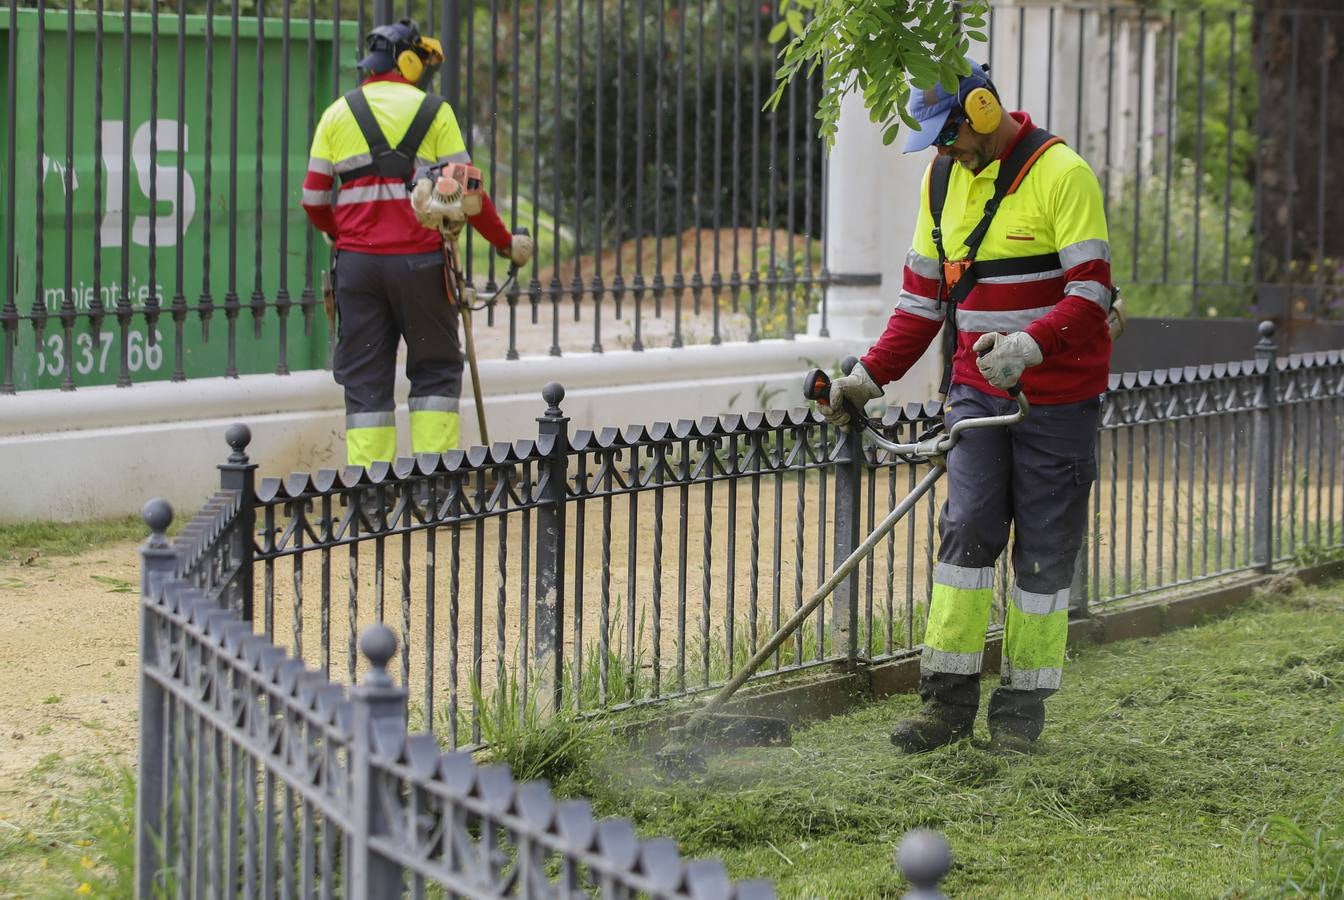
631	566
147	226
259	777
598	570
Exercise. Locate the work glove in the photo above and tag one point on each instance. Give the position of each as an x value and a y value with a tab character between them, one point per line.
1116	318
1002	358
857	387
520	250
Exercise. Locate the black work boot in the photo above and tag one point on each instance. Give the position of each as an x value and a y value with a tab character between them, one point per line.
1016	718
948	714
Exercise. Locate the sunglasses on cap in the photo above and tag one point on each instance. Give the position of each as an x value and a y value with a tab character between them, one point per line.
951	130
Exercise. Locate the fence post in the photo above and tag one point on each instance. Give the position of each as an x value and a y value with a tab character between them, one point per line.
848	513
239	475
377	705
552	540
158	563
1265	448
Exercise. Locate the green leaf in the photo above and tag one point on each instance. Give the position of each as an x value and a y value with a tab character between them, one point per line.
777	31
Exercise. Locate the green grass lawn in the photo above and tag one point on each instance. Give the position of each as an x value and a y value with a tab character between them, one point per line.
1208	762
1163	768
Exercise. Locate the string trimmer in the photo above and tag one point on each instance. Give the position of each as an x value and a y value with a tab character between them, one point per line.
683	750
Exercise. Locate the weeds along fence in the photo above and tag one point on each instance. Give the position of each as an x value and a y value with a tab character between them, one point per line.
260	777
592	571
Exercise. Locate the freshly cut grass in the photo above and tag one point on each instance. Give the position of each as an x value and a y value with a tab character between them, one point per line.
1207	762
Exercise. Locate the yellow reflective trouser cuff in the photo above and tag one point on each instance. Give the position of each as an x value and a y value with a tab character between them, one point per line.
364	446
954	640
433	431
1033	648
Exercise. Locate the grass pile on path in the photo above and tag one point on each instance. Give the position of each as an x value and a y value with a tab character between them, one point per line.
1203	763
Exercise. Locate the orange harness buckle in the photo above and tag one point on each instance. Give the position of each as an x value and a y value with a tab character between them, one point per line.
953	269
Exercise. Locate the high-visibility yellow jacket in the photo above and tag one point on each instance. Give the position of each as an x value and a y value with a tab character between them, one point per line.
372	214
1057	209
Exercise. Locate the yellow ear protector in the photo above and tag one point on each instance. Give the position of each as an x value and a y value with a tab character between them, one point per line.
981	104
410	65
411	51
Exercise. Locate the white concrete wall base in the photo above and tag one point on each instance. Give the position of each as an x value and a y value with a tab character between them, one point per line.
103	451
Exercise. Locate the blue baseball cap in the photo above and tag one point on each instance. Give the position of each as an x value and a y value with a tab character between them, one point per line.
931	107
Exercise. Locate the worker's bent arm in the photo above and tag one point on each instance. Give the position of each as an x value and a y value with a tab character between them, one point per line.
319	184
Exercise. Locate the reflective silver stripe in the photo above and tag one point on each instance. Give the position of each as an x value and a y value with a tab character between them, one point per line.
963	577
924	307
1036	604
1095	291
1031	679
433	404
359	160
370	192
932	660
316	198
978	320
320	166
371	420
460	156
924	266
1022	279
1084	251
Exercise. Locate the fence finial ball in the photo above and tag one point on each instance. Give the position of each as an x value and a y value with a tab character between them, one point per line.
553	393
1267	329
158	515
379	644
924	857
238	437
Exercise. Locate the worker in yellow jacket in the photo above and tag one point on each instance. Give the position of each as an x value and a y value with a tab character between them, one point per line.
389	268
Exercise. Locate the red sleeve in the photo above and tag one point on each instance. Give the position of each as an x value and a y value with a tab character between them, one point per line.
317	201
1077	321
912	327
489	225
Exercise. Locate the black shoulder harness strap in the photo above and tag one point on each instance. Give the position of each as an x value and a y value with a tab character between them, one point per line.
390	162
966	272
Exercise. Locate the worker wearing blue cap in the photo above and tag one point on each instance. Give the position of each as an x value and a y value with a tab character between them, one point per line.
1011	253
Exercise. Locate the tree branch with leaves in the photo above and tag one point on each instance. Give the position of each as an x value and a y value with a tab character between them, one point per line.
881	49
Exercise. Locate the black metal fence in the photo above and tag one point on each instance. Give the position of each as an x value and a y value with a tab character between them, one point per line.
259	777
622	567
626	134
1210	130
149	221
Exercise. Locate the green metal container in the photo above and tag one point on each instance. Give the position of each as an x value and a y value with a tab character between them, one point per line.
133	258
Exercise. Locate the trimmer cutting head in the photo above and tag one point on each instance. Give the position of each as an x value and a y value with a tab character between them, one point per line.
687	745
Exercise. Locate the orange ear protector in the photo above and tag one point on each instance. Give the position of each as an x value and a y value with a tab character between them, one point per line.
981	104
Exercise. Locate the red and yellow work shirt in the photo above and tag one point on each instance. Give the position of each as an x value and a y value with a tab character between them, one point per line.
373	214
1056	209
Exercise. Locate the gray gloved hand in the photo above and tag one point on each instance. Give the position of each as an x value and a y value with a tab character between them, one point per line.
1003	357
520	250
857	387
1116	317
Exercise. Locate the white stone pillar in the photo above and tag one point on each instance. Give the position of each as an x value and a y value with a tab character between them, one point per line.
872	201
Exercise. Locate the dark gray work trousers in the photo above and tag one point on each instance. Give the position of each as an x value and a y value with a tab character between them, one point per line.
380	299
